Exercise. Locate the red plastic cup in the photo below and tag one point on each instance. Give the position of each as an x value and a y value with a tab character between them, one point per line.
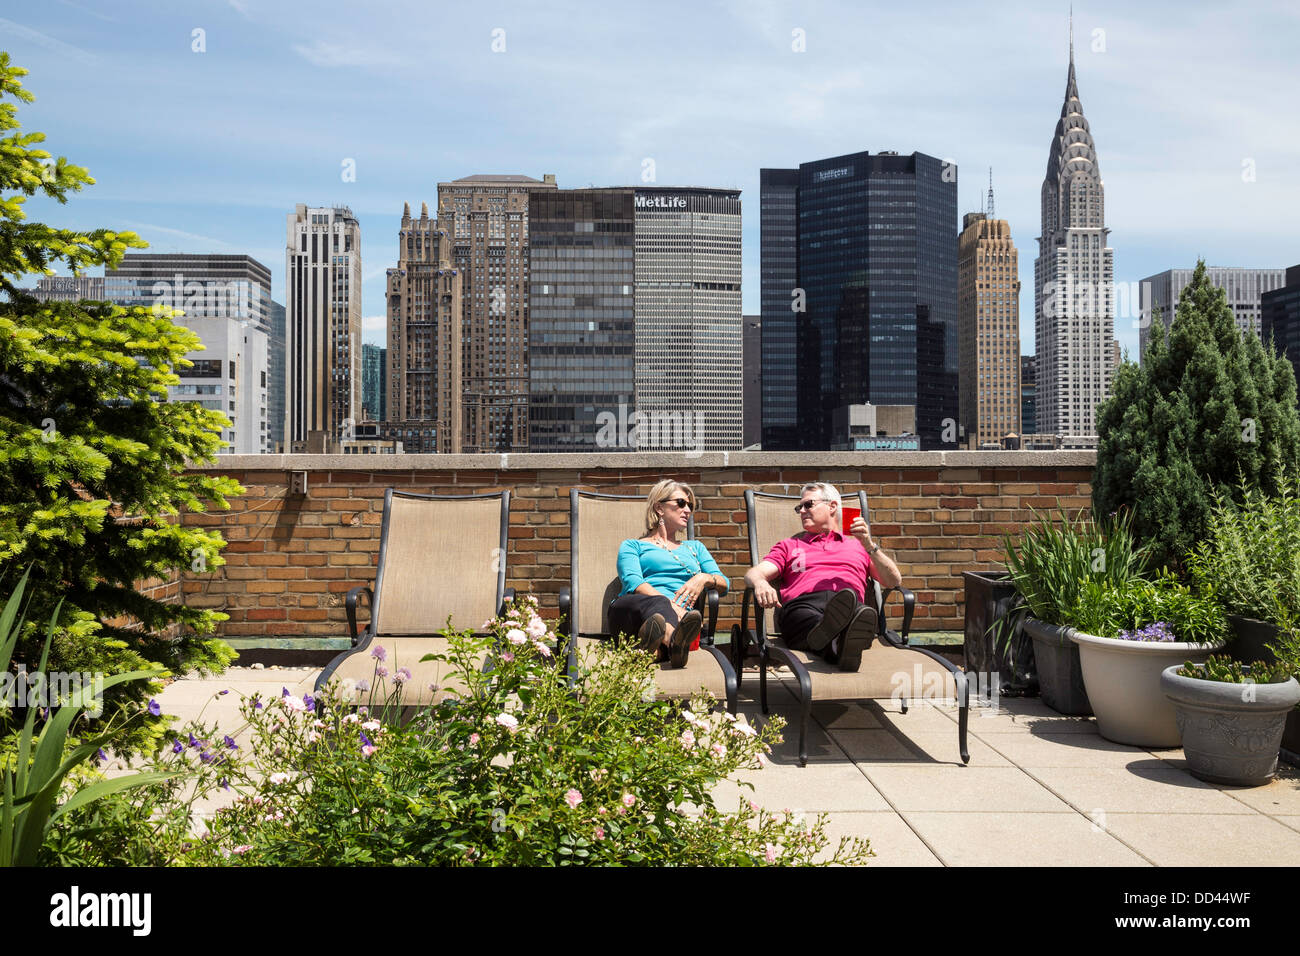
848	515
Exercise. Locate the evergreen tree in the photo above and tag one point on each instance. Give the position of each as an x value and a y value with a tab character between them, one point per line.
1210	408
92	455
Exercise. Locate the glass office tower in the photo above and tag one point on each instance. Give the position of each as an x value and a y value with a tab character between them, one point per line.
581	299
862	305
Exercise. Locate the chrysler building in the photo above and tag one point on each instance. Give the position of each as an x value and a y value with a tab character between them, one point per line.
1074	282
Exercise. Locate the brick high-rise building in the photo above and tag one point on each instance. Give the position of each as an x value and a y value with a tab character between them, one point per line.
1074	320
425	334
322	326
485	217
988	329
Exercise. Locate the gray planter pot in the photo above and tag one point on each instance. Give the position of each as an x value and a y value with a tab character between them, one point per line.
1123	679
1249	639
989	596
1231	732
1060	675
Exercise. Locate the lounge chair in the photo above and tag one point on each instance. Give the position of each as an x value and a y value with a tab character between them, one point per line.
599	523
440	557
888	666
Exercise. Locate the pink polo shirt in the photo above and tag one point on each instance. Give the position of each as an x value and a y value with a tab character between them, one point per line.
829	561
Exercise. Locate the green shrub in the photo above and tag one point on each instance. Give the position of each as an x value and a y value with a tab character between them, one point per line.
525	767
1210	410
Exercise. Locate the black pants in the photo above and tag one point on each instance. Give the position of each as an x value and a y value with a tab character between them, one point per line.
629	611
797	617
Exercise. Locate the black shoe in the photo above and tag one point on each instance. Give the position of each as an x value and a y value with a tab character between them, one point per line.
839	611
687	631
857	638
651	635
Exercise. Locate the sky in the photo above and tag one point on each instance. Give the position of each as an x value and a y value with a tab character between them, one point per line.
205	122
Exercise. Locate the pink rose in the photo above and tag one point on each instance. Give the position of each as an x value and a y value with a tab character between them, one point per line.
508	722
628	800
572	798
600	833
516	636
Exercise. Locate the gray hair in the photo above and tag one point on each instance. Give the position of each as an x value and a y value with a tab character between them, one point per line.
827	492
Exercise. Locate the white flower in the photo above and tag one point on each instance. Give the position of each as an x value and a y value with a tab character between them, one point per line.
372	725
536	628
279	777
293	703
508	722
516	636
351	719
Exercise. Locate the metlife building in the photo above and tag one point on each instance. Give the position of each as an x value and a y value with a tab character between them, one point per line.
688	319
635	320
859	293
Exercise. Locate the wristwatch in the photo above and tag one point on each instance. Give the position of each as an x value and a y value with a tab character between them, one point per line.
874	549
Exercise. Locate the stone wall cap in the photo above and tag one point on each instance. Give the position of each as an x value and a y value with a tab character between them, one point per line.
656	461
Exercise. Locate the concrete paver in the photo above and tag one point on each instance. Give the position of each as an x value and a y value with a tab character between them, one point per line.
1216	839
1022	839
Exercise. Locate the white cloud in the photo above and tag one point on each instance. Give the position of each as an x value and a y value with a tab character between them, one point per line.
326	54
49	42
374	323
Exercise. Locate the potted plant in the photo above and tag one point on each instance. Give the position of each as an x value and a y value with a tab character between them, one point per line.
989	597
1231	717
1127	635
1250	561
1050	567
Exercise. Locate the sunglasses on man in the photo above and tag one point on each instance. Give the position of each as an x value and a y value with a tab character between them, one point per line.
807	505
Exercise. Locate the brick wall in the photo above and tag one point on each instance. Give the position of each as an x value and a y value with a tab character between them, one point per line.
290	559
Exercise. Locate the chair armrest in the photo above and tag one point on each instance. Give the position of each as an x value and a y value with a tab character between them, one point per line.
909	607
707	605
350	603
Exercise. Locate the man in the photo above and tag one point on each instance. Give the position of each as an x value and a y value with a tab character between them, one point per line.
824	576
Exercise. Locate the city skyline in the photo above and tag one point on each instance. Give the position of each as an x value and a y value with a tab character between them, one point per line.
205	152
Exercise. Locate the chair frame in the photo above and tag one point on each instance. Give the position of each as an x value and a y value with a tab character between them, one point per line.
360	641
569	629
742	635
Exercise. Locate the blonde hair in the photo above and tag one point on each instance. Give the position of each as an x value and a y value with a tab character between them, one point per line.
660	493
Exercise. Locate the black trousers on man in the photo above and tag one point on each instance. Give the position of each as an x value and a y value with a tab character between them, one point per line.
797	617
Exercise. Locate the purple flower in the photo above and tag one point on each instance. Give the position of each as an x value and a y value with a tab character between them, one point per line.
284	692
224	693
362	685
195	743
154	708
403	674
378	653
100	756
206	757
230	742
1159	631
224	784
310	701
177	746
257	702
366	741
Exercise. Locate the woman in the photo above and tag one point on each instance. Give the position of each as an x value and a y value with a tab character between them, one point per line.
663	577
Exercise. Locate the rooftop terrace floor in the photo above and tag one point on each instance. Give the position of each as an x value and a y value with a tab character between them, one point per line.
1040	789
